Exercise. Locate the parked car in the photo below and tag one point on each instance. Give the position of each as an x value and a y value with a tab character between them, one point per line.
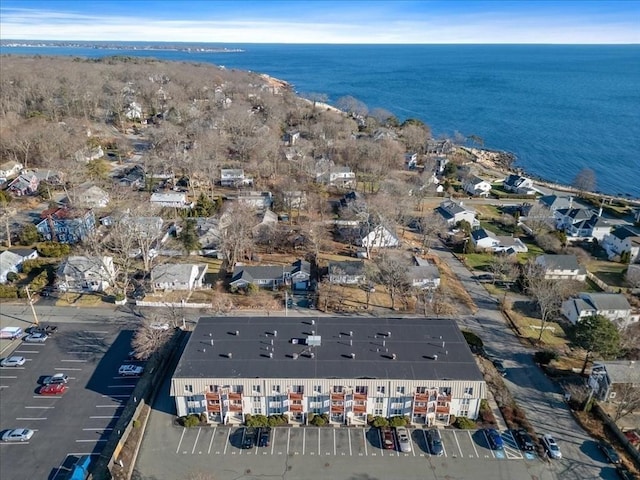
14	361
388	442
404	442
264	437
159	326
57	379
494	438
609	452
499	367
37	337
551	446
17	435
249	439
46	329
130	370
525	442
53	389
434	442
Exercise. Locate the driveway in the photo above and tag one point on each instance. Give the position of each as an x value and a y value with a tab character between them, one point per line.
540	397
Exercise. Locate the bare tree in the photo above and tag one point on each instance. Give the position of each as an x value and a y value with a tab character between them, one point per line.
352	105
503	267
627	399
539	219
237	223
147	340
585	181
393	275
430	226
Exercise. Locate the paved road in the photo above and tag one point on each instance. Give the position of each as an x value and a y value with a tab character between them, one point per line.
539	396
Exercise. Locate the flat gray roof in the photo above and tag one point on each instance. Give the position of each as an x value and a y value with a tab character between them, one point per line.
424	349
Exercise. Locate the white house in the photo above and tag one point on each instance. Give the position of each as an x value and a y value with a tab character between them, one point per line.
347	272
11	261
561	267
621	240
133	111
259	200
518	184
424	274
614	306
582	223
380	237
10	169
410	160
170	199
178	276
234	177
85	274
92	196
337	176
486	240
477	186
454	212
87	155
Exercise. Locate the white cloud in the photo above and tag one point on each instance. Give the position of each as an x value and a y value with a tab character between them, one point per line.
478	28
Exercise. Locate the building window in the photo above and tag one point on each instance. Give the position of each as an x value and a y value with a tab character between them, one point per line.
468	391
379	400
337	389
317	389
361	389
421	389
400	390
396	412
445	391
256	388
275	389
237	389
188	388
380	389
256	411
297	389
378	412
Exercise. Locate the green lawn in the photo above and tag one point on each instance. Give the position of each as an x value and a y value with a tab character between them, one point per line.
478	261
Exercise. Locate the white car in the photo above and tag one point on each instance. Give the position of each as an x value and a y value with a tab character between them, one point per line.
130	370
55	379
403	439
551	446
14	361
159	326
17	435
38	337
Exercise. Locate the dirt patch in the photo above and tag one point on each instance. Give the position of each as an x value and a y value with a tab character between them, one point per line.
129	450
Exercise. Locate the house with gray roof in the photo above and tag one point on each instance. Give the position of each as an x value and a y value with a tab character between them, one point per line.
607	379
234	177
556	202
424	274
476	186
11	261
561	267
347	272
454	212
582	223
614	306
178	276
81	273
519	185
621	240
348	368
296	275
484	239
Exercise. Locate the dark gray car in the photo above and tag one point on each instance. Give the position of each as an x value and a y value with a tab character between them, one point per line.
434	442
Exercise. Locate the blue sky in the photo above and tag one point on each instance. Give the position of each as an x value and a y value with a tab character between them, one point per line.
319	21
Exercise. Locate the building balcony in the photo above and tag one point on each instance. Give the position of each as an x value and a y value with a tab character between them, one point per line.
296	408
360	409
419	409
215	408
360	396
295	396
443	409
337	396
421	397
235	396
235	407
337	408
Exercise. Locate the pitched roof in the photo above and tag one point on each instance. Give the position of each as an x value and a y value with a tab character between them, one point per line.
560	262
606	301
173	272
8	260
481	233
623	233
348	267
623	371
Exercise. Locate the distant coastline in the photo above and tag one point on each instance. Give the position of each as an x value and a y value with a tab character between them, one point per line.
187	48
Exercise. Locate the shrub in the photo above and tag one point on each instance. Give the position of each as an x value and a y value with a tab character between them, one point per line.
472	339
276	420
398	421
12	277
318	420
203	417
464	423
256	421
29	235
378	422
8	291
136	423
191	420
53	249
544	357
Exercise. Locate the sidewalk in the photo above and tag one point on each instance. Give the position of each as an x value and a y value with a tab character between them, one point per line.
501	425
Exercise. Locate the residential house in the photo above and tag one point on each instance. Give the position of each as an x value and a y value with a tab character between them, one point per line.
178	276
439	147
209	236
424	274
477	186
518	184
556	202
11	261
234	177
614	306
347	272
291	137
9	170
50	177
410	161
260	201
341	177
582	223
91	196
170	200
133	111
455	212
609	380
379	237
134	177
561	267
24	184
441	163
294	200
66	225
87	155
296	275
622	240
268	221
85	274
328	367
486	240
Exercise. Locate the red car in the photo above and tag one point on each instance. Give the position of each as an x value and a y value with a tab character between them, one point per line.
53	389
388	442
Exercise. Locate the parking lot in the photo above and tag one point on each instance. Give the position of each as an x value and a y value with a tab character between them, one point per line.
76	423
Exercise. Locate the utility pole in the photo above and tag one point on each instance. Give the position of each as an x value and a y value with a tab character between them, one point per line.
33	309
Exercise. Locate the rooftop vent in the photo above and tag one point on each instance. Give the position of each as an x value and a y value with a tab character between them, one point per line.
353	355
270	354
294	356
393	356
229	355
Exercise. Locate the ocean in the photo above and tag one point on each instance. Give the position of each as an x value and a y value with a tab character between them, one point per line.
558	108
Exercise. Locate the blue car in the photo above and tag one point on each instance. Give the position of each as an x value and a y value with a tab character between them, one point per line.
494	439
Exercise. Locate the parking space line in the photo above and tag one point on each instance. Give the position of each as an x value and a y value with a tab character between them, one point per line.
39	407
96	331
426	444
68	369
196	441
304	439
488	444
105	416
12	368
273	439
288	439
226	444
318	442
473	444
211	441
113	405
334	441
364	439
75	361
27	351
181	437
116	396
381	442
88	441
97	428
7	376
458	443
350	451
31	418
444	450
